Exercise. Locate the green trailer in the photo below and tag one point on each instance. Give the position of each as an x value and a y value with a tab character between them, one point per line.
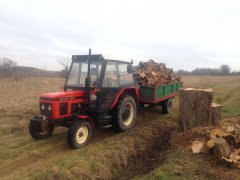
160	95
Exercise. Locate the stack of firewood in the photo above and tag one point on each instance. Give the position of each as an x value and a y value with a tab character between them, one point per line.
153	74
223	143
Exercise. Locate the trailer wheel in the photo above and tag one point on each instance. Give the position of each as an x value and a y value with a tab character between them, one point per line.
125	114
167	106
40	131
79	134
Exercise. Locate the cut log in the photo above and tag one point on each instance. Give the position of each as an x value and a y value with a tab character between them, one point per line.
221	148
215	133
215	113
194	108
234	158
210	144
237	133
219	133
200	146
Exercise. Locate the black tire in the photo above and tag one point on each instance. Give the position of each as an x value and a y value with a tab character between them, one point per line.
167	106
35	130
125	114
79	134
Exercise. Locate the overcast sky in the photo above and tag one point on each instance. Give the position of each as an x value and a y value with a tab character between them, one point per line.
184	34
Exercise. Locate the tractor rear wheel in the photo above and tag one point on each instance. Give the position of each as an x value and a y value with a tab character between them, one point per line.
79	134
125	114
167	106
40	130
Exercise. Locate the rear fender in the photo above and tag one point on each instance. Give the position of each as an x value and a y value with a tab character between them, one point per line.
131	91
87	118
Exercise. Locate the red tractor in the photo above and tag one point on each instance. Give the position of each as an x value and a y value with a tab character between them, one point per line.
97	92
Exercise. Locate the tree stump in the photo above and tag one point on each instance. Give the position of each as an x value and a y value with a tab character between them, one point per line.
215	113
194	107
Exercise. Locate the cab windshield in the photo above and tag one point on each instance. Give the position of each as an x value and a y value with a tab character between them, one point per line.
78	73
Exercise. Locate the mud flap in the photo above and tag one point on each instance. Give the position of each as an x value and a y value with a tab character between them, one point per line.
39	123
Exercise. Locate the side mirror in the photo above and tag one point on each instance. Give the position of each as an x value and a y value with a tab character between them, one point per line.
130	68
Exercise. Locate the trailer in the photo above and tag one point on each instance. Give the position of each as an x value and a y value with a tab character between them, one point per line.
161	95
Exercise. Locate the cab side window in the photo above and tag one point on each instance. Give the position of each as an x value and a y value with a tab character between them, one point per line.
110	78
125	78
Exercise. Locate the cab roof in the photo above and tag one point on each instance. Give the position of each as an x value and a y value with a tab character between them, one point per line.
94	57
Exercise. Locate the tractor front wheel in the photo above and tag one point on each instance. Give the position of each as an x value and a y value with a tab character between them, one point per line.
125	114
40	130
79	134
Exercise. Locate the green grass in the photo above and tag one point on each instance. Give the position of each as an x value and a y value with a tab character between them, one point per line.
228	95
226	91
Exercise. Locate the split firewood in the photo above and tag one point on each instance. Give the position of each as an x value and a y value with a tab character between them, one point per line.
153	74
221	148
211	144
219	133
223	143
200	146
237	133
234	158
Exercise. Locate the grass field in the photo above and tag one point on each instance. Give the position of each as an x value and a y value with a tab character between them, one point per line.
145	152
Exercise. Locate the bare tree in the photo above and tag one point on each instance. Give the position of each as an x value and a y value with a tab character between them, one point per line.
65	62
225	69
6	67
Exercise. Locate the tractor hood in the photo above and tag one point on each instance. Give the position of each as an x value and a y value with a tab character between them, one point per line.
62	95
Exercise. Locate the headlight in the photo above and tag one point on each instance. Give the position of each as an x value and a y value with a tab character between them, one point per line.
42	107
49	108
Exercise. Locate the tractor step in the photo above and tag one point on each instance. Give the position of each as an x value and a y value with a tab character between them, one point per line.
107	117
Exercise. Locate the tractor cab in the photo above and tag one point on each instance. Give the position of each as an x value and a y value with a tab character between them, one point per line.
97	92
103	73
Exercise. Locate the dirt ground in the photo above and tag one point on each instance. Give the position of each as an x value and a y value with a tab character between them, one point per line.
151	150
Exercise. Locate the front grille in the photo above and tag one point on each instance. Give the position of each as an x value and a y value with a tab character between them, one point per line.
45	111
63	108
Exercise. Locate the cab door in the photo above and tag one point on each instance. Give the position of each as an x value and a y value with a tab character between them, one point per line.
110	86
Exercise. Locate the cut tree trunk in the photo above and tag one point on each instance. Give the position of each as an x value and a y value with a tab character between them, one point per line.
215	113
194	108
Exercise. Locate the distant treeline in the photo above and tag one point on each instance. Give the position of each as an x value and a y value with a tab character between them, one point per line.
223	70
10	69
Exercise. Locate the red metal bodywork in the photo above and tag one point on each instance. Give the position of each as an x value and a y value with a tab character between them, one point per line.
55	98
73	97
131	90
88	119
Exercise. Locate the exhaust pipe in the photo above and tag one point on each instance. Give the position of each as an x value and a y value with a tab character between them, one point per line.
88	78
